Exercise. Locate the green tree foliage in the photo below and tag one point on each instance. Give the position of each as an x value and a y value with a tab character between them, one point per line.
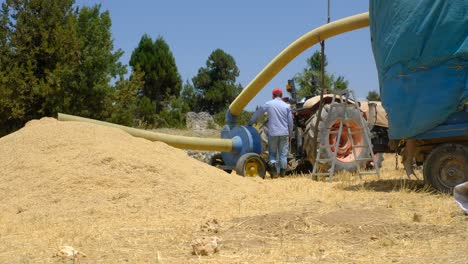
173	115
98	64
145	110
54	58
339	83
124	100
191	97
373	96
161	76
31	82
309	79
215	83
242	119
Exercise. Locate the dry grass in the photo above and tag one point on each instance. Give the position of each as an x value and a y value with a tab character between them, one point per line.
124	200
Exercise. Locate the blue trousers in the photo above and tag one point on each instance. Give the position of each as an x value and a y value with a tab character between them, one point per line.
278	146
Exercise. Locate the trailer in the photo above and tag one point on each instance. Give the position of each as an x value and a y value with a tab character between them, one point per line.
421	53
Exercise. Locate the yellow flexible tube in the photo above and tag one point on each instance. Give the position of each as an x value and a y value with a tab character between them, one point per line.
292	51
210	144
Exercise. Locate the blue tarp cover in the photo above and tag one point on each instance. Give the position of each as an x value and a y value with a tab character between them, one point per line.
421	51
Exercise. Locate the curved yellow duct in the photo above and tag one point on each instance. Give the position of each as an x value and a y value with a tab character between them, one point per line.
292	51
210	144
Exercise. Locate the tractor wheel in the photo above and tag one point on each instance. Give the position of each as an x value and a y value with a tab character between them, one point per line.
446	166
251	165
330	121
216	160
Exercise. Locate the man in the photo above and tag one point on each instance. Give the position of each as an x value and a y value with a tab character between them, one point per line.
280	126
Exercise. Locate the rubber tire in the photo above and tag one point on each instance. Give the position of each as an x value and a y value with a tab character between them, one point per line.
216	160
327	120
435	161
241	163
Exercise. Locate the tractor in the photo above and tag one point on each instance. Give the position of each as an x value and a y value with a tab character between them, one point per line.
305	114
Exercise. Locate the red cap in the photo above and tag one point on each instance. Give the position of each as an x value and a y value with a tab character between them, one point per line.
277	92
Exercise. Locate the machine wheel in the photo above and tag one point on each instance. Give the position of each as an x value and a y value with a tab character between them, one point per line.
251	165
216	160
330	122
446	166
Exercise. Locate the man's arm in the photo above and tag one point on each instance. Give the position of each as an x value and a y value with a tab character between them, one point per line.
260	111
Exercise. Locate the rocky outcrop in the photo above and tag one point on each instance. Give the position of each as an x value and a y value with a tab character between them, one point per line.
200	121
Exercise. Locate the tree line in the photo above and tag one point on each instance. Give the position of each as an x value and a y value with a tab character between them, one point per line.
56	57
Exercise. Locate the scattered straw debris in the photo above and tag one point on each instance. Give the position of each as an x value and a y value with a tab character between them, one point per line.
68	252
211	226
205	246
417	217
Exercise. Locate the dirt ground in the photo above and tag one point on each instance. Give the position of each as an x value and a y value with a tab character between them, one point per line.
120	199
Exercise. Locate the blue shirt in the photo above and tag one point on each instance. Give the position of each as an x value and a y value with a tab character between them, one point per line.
280	122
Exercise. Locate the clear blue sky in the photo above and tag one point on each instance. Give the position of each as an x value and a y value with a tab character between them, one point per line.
253	32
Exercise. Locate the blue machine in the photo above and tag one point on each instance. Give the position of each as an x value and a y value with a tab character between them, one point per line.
245	157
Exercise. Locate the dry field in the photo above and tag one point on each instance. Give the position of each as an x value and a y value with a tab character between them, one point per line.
121	199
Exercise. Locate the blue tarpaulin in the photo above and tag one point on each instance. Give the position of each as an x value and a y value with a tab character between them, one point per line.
421	52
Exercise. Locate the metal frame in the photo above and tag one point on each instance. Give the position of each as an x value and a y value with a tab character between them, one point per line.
344	99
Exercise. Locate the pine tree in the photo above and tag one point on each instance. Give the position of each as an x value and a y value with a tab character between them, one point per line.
124	100
161	76
373	96
42	50
54	58
190	97
99	64
216	82
309	79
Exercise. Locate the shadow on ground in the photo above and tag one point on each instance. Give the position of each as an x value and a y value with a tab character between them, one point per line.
391	185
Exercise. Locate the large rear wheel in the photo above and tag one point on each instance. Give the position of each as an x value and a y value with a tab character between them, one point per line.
327	136
446	166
